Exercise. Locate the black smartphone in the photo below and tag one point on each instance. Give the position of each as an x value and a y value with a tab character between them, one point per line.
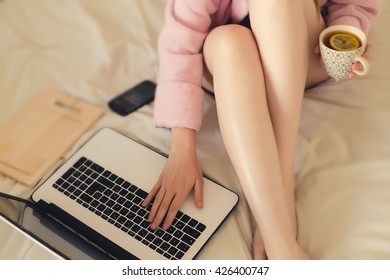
133	98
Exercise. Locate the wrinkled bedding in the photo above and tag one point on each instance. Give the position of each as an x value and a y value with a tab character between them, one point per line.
95	49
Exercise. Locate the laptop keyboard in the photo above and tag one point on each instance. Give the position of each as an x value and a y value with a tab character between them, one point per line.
119	203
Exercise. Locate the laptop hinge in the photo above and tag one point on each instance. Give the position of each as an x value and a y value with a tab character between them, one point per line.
85	231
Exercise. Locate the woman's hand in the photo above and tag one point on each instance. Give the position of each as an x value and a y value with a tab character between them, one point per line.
181	175
358	66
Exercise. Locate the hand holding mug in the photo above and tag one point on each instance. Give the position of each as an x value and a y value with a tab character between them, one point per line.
343	51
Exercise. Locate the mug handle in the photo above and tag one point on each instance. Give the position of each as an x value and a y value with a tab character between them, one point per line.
366	66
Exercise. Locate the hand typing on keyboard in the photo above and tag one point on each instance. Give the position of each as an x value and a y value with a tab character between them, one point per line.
181	175
118	202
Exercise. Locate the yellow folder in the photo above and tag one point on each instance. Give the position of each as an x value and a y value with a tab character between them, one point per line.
33	141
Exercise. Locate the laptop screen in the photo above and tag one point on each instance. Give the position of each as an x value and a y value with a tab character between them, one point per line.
48	231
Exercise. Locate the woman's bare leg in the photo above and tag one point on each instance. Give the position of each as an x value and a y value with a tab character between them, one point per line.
248	129
287	33
248	133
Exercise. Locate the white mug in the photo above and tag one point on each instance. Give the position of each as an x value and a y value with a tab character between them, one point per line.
338	64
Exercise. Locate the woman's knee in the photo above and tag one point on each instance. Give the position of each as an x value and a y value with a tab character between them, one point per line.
226	41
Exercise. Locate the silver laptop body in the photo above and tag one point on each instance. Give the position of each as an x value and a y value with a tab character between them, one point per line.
100	188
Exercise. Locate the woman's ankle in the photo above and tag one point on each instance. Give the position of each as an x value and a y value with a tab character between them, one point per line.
288	252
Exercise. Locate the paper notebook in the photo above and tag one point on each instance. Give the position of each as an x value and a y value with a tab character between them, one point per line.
33	141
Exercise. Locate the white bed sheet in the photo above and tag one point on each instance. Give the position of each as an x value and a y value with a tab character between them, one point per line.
95	49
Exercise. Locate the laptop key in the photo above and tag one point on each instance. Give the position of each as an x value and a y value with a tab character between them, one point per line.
149	237
103	199
135	228
174	241
133	188
97	168
119	180
94	175
193	223
178	234
79	162
172	251
123	192
68	173
124	211
86	198
126	185
185	218
105	182
157	241
145	224
129	224
179	255
160	251
145	242
134	208
95	187
159	232
59	181
188	239
165	246
121	220
137	220
184	247
137	200
114	215
167	237
179	225
113	177
141	193
200	227
143	232
192	232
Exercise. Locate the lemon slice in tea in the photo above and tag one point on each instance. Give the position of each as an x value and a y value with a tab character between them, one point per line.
344	42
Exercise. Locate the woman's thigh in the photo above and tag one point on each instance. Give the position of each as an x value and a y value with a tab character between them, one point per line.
316	71
226	44
238	33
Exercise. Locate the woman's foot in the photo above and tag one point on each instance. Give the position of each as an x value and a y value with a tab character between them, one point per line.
258	248
294	252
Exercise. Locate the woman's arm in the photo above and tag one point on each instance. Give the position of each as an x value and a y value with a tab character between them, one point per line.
181	175
357	13
179	96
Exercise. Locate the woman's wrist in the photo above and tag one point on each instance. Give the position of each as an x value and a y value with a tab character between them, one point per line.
183	138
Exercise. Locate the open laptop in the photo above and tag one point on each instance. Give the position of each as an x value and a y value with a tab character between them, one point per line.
99	189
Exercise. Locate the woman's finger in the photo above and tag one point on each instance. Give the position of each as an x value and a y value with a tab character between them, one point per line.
317	49
156	205
162	210
173	209
152	193
198	192
368	52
